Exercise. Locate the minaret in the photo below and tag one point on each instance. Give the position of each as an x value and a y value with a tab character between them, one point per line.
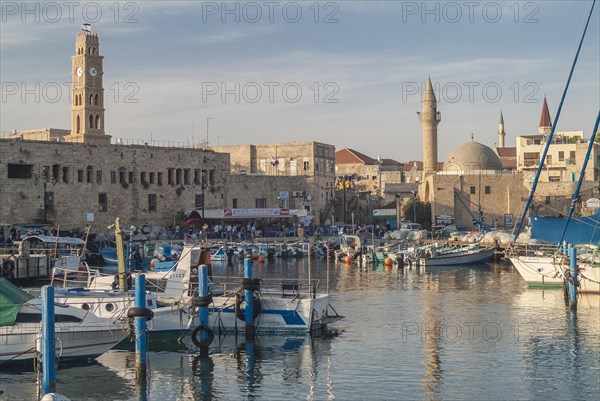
87	109
501	133
545	123
429	118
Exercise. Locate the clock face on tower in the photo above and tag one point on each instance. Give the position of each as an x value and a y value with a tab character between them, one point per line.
93	71
79	71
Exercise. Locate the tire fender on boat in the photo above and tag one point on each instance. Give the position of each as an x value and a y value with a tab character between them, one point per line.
8	267
197	336
137	311
202	301
241	313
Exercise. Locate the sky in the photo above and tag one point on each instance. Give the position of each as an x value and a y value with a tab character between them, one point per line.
346	73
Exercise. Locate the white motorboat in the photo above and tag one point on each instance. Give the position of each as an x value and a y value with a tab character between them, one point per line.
79	333
286	306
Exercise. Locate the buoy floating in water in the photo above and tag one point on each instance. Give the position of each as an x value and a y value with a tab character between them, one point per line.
388	262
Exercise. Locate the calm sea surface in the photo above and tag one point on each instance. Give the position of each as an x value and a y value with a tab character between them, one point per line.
469	333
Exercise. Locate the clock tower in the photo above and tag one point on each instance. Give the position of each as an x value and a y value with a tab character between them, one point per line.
87	109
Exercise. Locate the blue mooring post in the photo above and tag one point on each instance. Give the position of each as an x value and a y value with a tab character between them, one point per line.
203	314
48	363
573	281
140	330
248	296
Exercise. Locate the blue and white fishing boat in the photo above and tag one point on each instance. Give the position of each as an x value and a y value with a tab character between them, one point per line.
280	306
219	254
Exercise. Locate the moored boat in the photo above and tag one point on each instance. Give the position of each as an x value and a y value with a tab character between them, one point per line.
456	256
79	334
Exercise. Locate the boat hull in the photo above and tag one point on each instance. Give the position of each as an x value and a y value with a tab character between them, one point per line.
459	258
278	314
547	272
583	230
18	343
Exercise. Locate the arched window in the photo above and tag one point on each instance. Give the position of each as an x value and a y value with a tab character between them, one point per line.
91	121
90	174
90	50
97	120
78	125
91	100
96	100
94	50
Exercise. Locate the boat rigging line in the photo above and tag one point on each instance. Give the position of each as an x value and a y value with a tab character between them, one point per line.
549	139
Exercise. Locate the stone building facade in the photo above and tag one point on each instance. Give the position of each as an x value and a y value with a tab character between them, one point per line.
74	183
309	165
76	177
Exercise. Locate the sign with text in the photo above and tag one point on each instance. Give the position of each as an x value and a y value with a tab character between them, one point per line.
267	212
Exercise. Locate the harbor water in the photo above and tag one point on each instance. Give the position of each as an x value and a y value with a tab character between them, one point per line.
455	333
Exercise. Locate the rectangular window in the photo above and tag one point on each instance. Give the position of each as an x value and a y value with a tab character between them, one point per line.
178	176
572	156
98	176
260	203
561	156
306	165
159	179
65	175
79	175
170	178
113	177
89	175
20	170
151	203
472	190
488	189
131	177
211	177
197	177
151	177
55	172
186	176
234	203
121	176
143	177
199	201
102	202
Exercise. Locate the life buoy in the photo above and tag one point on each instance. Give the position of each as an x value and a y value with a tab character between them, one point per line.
8	267
197	336
137	311
241	313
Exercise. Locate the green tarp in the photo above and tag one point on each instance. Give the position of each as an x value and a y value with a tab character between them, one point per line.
11	299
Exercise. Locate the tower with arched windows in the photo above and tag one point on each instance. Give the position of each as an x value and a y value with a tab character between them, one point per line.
87	110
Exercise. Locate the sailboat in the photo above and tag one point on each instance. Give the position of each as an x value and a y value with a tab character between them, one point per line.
546	269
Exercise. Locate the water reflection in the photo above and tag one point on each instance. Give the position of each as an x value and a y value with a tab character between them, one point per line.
431	334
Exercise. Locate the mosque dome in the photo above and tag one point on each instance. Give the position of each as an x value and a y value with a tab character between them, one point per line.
473	156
